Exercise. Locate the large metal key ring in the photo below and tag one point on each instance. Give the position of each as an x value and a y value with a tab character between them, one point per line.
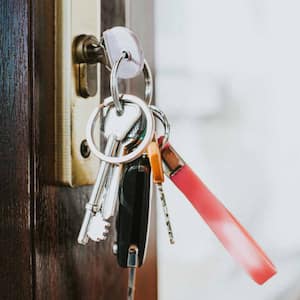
137	151
114	89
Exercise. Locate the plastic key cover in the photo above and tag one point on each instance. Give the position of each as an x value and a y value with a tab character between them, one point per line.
229	231
154	156
134	208
119	39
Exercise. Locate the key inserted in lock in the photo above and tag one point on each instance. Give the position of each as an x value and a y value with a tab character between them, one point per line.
88	52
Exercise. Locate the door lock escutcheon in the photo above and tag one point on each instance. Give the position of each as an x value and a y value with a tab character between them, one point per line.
77	90
88	52
78	52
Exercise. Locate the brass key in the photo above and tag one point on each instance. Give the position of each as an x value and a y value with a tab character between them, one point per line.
158	178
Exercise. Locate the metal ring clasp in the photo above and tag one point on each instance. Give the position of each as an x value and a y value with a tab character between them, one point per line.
161	116
150	127
114	89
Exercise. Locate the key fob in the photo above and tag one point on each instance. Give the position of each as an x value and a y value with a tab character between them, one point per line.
134	209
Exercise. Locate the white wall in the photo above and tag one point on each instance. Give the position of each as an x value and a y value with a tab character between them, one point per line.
228	77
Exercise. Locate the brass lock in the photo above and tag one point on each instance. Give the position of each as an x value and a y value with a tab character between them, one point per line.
77	89
77	83
88	52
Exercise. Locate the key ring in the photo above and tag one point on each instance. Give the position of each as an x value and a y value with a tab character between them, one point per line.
114	89
141	147
161	116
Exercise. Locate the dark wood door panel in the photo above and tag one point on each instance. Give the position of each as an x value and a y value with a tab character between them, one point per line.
15	83
65	269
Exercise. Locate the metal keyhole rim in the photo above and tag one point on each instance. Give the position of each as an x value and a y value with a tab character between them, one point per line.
114	87
142	146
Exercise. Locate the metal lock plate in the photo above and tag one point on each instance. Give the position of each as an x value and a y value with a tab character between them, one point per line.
74	165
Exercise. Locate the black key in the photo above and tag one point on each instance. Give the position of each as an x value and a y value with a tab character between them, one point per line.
133	215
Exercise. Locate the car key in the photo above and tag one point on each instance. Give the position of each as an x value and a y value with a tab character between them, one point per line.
133	218
116	128
158	178
134	207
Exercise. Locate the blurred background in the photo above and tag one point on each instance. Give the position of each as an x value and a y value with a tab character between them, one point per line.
227	76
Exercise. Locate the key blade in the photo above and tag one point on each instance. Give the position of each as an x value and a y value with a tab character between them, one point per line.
109	204
113	183
132	264
98	228
95	198
166	213
132	259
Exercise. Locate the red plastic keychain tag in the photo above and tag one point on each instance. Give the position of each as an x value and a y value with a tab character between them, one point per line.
229	231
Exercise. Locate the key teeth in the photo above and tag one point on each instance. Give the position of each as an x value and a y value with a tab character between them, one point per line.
83	241
103	237
98	228
107	226
99	239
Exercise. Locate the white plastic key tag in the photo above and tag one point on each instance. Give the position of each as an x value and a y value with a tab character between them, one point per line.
119	39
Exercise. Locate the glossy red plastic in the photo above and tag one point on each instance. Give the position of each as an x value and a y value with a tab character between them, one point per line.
229	231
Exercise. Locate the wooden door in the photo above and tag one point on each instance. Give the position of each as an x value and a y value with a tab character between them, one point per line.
40	257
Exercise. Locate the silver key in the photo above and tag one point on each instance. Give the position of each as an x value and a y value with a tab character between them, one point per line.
116	129
111	197
92	206
99	228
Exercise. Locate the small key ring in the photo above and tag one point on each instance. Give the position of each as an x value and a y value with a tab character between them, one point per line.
114	89
141	147
148	79
161	116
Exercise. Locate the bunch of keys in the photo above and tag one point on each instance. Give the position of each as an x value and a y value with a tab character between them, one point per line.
131	154
131	182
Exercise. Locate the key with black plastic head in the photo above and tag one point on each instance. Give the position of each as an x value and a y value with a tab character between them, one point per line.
133	217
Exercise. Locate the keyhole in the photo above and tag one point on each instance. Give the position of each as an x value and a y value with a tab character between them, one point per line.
85	149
